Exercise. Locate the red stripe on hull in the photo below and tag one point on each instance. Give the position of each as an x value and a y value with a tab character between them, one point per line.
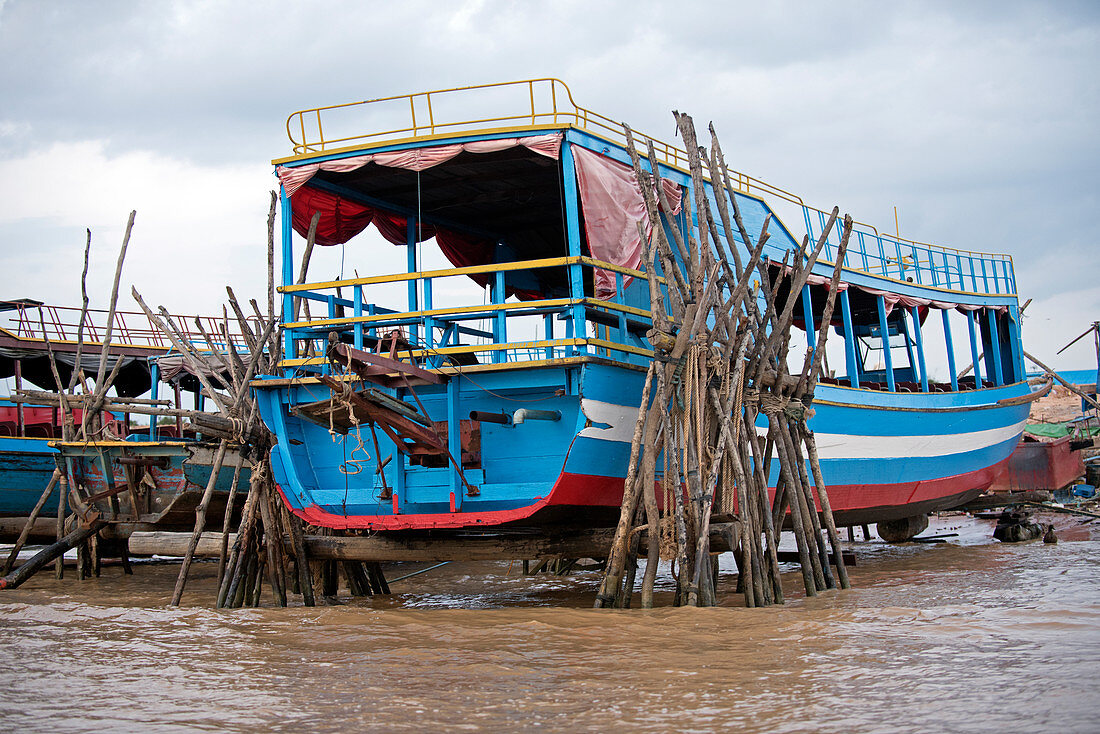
852	503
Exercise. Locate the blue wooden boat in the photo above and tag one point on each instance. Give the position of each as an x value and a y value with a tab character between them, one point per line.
502	388
30	435
26	459
151	482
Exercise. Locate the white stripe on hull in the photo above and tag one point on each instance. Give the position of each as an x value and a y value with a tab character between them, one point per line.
621	419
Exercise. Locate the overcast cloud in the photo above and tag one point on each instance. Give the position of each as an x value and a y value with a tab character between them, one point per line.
977	120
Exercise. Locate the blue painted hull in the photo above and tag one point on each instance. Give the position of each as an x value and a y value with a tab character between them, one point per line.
26	465
884	455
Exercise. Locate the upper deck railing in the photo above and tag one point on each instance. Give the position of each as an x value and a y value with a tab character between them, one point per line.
483	333
549	102
41	322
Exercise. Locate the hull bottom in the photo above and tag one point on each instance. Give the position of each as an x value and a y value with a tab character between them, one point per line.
588	501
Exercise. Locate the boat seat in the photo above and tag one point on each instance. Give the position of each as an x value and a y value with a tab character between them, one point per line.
38	430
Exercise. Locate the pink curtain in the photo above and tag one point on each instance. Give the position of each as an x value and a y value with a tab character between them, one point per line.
613	205
894	299
416	159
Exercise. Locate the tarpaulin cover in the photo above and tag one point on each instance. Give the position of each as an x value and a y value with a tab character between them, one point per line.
131	380
174	366
613	205
416	159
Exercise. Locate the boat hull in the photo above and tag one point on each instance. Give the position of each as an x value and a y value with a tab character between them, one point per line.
157	483
26	465
884	456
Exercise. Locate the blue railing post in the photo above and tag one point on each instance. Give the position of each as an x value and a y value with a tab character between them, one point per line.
888	358
289	349
920	349
849	339
950	350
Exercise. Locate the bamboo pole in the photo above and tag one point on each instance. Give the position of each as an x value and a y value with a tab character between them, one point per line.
49	553
200	522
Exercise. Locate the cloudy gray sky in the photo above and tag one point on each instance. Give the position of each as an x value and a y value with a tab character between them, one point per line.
978	121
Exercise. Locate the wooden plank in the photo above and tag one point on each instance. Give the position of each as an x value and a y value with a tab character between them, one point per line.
398	547
368	364
11	527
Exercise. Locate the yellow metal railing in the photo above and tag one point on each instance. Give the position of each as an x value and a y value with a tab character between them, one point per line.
369	322
548	102
548	262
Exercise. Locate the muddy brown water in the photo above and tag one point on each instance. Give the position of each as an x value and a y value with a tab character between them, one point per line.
965	636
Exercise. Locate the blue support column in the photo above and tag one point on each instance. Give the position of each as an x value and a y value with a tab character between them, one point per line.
289	351
970	316
852	363
995	346
500	318
808	316
357	300
950	350
429	323
920	349
620	298
548	332
454	441
154	390
884	328
1016	343
573	238
410	245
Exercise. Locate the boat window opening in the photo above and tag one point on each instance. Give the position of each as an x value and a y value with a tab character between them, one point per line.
923	356
478	210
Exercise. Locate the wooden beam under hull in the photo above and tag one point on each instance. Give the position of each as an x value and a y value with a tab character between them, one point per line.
382	547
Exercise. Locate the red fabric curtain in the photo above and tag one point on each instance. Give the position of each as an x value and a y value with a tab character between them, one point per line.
465	250
340	219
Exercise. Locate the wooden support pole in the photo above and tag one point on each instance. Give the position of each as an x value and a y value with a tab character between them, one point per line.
200	522
50	553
